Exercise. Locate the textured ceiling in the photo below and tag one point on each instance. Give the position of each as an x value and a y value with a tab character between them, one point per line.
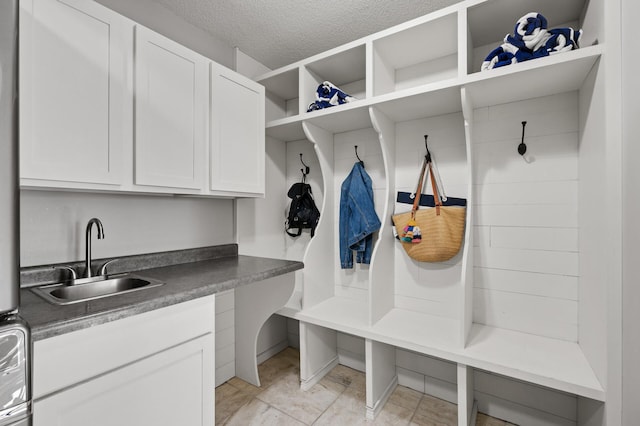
280	32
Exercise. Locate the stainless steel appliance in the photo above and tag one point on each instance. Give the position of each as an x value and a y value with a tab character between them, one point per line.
15	396
15	360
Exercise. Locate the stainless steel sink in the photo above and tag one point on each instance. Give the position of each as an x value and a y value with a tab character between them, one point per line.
102	286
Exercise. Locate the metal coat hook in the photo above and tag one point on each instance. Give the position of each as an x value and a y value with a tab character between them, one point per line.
426	146
306	169
522	148
358	157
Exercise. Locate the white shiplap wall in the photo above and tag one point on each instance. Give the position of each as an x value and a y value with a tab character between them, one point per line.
225	337
526	224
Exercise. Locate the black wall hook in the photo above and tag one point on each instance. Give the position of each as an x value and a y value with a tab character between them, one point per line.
426	146
522	148
357	156
306	169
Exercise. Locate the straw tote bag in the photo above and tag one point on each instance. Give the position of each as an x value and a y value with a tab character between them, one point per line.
431	234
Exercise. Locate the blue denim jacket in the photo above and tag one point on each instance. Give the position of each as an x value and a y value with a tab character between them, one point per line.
358	218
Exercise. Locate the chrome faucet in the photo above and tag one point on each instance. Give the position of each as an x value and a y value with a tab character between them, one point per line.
97	222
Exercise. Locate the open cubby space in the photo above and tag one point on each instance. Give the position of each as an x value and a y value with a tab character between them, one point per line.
490	21
345	69
281	94
298	152
428	296
333	294
536	281
423	53
426	104
354	283
526	216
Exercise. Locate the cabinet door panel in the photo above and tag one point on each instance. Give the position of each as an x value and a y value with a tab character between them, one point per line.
237	133
171	88
73	91
174	387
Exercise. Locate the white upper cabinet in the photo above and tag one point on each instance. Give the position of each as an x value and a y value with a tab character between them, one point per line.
237	151
171	112
106	104
73	91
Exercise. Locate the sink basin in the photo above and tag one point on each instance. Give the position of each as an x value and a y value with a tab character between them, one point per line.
64	294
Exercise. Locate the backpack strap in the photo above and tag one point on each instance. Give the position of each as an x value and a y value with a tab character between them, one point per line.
298	234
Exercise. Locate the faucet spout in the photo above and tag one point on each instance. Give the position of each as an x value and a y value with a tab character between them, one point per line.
98	224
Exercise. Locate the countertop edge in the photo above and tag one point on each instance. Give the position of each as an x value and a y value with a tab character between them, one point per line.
56	328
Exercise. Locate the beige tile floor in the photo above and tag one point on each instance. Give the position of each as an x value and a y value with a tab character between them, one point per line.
339	399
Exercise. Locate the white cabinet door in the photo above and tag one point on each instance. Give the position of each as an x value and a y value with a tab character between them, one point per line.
171	107
74	62
173	387
237	133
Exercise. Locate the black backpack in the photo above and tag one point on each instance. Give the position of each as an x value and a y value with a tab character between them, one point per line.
303	212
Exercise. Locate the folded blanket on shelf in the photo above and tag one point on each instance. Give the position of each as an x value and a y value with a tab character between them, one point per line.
563	40
328	95
531	40
530	32
503	55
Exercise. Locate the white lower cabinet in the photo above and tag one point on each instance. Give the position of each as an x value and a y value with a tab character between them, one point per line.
167	388
155	368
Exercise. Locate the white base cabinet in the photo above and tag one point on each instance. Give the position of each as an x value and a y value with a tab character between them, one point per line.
156	368
167	388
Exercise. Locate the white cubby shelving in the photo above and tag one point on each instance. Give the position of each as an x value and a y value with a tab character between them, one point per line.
430	54
526	296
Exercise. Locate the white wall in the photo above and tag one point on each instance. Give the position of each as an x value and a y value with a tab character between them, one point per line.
167	23
631	212
273	338
52	224
247	66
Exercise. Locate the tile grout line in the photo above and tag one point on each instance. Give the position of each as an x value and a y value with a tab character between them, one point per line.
415	411
334	401
286	414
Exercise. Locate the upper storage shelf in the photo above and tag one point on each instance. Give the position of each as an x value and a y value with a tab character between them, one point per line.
416	69
503	15
345	69
422	53
281	93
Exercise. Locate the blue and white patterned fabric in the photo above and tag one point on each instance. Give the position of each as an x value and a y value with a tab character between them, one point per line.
328	95
531	40
563	40
529	33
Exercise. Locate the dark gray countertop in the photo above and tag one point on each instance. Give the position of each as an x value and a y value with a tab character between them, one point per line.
184	281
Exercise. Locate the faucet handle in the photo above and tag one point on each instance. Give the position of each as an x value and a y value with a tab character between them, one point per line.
74	275
103	268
